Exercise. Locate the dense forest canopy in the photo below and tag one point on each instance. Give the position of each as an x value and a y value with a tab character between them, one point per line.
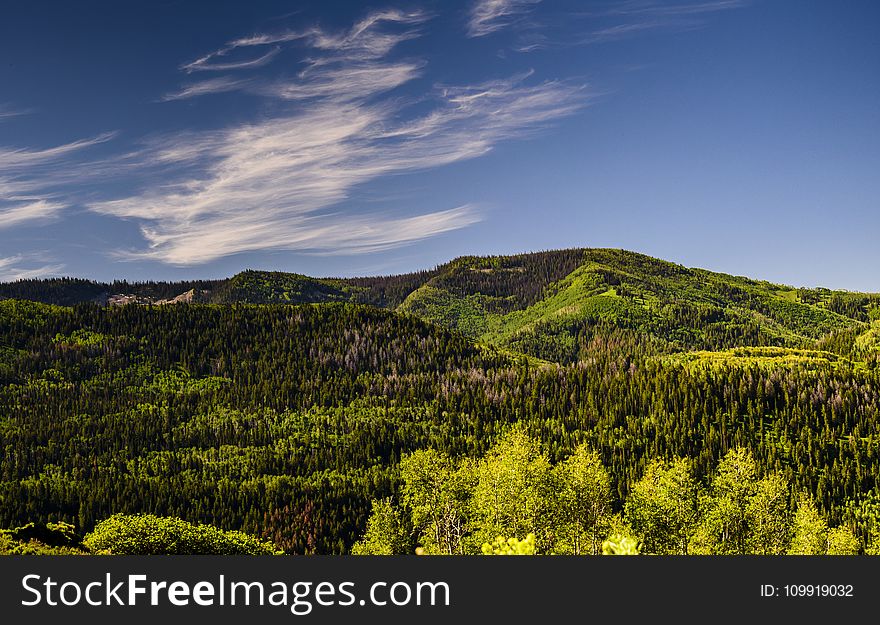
289	407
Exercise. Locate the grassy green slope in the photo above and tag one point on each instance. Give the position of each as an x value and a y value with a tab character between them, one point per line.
680	308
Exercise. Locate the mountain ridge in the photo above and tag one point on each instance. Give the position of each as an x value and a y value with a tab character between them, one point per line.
550	305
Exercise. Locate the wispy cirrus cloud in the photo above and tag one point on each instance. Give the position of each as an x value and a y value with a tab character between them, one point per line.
604	22
362	39
11	268
361	81
487	16
281	183
658	7
209	63
13	214
638	16
365	39
206	87
620	31
8	112
29	178
12	159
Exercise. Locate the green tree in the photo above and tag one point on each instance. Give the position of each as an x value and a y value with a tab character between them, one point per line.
513	484
768	517
437	492
842	542
873	543
742	514
582	503
810	531
663	506
388	532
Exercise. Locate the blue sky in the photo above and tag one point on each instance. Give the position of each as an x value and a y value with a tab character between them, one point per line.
172	140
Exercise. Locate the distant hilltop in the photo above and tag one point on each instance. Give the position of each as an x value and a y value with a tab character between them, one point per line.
539	303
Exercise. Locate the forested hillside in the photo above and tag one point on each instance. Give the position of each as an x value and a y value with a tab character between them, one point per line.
573	296
550	305
282	405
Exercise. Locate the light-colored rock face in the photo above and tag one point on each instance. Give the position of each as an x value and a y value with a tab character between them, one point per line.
121	299
183	298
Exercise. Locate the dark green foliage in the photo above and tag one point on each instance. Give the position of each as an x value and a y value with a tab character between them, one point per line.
41	539
507	283
286	421
51	534
70	291
277	420
274	287
386	291
539	303
61	291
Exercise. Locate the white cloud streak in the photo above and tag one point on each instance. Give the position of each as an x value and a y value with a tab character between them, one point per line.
28	177
280	183
12	159
39	210
489	16
11	269
645	15
363	39
7	112
656	7
204	65
206	87
360	82
601	22
621	31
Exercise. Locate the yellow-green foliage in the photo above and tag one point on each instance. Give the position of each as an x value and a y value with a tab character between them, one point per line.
567	298
145	534
81	338
663	506
683	308
619	545
842	542
510	546
465	314
870	340
810	534
387	532
183	383
763	357
28	314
